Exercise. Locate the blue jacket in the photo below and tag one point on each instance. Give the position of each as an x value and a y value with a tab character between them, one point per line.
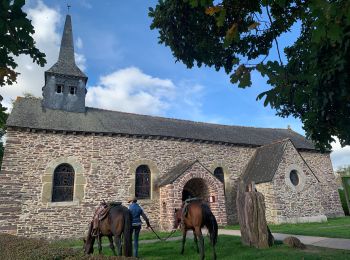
136	211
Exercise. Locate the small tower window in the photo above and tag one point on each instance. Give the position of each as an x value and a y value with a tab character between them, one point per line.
72	90
59	89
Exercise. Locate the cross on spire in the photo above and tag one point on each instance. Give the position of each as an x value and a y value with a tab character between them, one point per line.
68	7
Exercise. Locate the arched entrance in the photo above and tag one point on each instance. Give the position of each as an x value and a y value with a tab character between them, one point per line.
195	188
194	180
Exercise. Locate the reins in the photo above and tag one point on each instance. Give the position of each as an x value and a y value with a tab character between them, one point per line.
163	239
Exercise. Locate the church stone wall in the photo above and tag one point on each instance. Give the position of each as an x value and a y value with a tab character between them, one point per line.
301	203
106	171
106	163
270	202
321	165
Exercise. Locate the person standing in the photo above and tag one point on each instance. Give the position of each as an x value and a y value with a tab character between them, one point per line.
136	212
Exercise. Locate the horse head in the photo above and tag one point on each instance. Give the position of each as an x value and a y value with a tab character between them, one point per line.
89	242
177	218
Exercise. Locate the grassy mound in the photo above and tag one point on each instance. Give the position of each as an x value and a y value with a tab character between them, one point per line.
13	247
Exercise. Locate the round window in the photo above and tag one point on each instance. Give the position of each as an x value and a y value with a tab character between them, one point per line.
294	178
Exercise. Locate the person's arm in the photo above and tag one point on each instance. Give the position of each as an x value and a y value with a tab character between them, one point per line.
145	218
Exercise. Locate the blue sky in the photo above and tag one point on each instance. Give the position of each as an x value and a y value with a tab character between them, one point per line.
129	71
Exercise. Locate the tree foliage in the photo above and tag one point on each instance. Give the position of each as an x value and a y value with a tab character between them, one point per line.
16	38
313	82
3	118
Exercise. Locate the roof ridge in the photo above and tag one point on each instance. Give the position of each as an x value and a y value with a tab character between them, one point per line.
184	120
276	142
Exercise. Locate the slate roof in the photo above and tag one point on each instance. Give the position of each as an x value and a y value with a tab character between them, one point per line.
175	172
66	61
264	163
29	113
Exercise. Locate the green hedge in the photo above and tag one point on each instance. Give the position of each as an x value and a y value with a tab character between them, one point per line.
343	201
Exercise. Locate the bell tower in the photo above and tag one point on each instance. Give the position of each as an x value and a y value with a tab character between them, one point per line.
65	83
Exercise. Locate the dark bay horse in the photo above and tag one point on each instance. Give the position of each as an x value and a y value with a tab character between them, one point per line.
197	215
116	224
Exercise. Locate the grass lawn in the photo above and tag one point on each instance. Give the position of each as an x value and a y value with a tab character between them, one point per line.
230	247
334	227
144	235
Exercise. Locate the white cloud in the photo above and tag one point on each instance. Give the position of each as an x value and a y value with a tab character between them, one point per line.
131	90
340	155
85	3
80	60
79	43
46	22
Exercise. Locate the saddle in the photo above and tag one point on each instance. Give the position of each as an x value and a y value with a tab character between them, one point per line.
100	214
186	203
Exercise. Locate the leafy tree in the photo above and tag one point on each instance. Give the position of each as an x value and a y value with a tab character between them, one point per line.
16	38
238	36
3	117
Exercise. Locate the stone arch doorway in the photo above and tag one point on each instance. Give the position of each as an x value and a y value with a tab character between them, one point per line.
190	179
195	188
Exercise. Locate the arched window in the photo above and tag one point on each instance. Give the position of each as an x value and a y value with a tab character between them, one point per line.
63	183
219	173
142	182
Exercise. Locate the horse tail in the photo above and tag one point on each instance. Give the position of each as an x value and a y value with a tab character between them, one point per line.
127	233
211	224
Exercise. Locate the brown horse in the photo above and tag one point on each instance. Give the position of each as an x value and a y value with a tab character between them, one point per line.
116	224
197	215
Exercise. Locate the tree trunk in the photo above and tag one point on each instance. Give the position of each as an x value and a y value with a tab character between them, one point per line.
251	217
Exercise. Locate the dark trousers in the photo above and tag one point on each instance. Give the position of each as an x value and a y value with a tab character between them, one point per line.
136	233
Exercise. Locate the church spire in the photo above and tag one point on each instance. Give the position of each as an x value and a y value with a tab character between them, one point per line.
66	61
67	48
65	83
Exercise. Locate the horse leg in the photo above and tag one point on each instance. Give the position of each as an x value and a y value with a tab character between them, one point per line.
118	243
184	233
111	245
213	244
214	252
198	233
99	244
195	241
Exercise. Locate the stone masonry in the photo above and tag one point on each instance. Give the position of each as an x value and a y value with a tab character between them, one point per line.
171	195
108	164
105	169
288	203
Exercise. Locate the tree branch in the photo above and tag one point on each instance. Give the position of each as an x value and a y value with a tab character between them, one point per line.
278	49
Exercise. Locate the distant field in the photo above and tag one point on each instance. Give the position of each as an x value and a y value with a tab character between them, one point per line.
334	227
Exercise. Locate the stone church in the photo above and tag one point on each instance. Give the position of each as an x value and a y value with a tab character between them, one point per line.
62	158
